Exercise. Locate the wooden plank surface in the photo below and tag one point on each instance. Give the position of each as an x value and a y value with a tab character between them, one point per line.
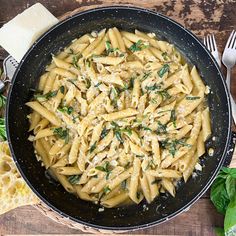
201	17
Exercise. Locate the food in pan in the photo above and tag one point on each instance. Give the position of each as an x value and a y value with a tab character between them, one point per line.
119	117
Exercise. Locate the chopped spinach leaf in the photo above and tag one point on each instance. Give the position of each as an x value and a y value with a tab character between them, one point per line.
163	70
74	179
192	98
93	147
62	133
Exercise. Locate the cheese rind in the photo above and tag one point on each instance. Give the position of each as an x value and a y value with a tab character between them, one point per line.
17	36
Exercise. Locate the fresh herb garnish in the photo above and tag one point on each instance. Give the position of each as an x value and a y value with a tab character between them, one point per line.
164	94
118	136
223	196
93	147
145	76
192	98
3	134
163	70
128	130
161	129
62	89
164	55
106	168
62	133
171	145
75	60
66	109
138	46
97	85
73	82
146	128
153	87
106	190
74	179
173	117
46	96
104	133
109	48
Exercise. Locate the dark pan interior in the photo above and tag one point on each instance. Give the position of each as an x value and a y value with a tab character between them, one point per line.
27	77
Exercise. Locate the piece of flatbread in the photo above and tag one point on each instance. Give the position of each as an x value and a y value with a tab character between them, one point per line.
14	192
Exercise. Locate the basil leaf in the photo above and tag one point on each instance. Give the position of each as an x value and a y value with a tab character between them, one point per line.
219	231
118	136
101	168
163	70
74	179
62	89
192	98
164	55
106	190
3	133
153	87
62	133
219	195
138	46
230	185
93	147
104	133
230	218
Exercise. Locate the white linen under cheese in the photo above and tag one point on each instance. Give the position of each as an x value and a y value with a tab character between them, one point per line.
20	33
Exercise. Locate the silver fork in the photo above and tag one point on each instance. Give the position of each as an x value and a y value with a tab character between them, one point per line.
9	67
211	45
229	55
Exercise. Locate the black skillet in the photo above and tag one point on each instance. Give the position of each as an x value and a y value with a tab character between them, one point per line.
33	65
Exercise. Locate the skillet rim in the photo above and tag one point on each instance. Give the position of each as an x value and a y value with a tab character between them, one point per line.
194	199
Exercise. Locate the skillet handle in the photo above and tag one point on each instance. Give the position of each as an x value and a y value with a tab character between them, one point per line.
230	151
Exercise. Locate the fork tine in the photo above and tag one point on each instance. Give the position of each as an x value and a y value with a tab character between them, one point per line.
229	39
233	40
214	42
211	42
204	41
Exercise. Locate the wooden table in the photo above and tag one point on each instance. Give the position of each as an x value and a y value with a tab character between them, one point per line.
201	17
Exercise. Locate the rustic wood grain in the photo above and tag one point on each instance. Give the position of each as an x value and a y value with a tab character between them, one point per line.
199	220
201	17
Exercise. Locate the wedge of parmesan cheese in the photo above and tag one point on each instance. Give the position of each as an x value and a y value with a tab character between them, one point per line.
13	190
20	33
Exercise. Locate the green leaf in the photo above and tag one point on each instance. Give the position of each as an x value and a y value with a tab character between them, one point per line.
192	98
161	129
45	97
3	134
138	46
93	147
62	133
106	190
219	231
153	87
164	55
74	179
163	70
173	117
104	133
101	168
230	171
145	76
127	130
230	185
230	218
75	60
62	89
118	136
164	94
66	109
219	195
3	100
